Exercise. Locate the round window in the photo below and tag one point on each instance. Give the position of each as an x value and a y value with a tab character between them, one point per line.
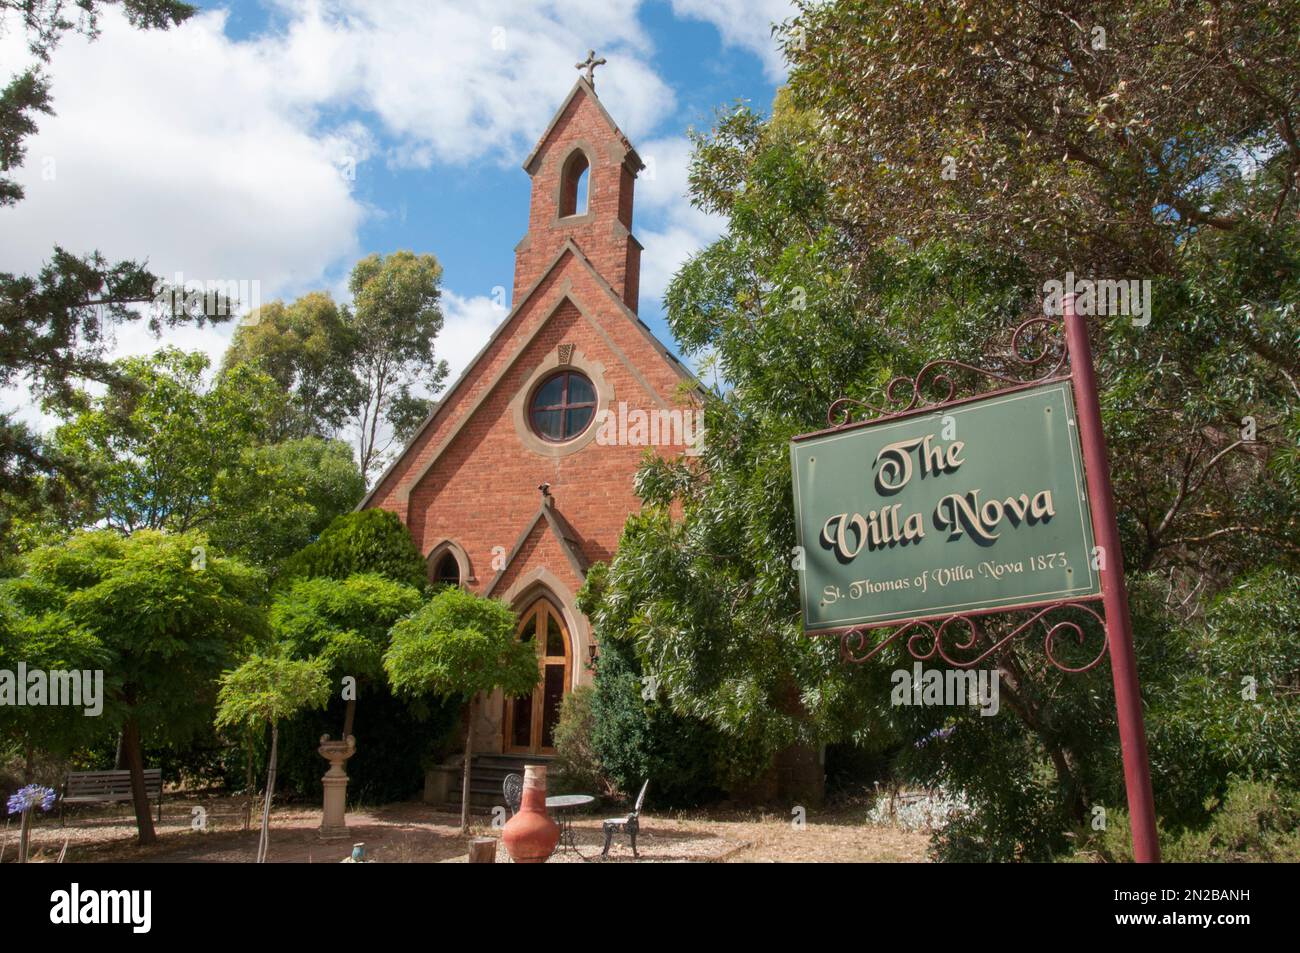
562	407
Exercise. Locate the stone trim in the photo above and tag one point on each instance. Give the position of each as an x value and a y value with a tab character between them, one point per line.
594	371
542	582
462	561
403	493
558	526
632	160
580	218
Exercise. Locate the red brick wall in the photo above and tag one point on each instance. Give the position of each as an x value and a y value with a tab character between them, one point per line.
480	491
603	233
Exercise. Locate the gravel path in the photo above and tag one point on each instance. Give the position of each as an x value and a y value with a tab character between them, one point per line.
413	832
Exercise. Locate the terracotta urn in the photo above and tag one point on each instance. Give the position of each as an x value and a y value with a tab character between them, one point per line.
530	836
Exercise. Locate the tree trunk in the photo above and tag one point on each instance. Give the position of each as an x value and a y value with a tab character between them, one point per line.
264	841
469	760
248	785
119	763
349	716
139	796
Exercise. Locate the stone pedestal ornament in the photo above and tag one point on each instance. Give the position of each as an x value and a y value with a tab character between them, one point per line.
335	780
530	836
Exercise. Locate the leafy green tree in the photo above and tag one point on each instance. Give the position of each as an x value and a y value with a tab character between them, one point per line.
170	613
268	690
372	540
54	335
35	630
635	738
279	497
814	292
463	645
307	348
343	623
157	447
54	326
1097	136
1114	140
395	321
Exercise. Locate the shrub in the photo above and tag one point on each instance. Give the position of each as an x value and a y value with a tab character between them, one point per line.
1257	821
368	541
634	739
577	766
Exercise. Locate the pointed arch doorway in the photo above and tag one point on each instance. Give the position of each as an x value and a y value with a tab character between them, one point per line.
529	722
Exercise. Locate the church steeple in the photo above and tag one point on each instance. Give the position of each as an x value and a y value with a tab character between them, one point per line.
583	173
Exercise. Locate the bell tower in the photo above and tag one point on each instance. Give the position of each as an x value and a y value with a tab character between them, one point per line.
583	172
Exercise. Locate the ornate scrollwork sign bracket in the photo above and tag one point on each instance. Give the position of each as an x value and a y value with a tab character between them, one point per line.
955	636
935	385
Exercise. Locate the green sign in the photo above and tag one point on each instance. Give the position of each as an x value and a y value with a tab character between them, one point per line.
976	505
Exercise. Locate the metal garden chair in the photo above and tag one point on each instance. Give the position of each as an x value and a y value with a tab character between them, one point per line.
628	824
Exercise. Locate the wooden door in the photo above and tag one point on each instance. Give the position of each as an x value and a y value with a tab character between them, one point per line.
529	722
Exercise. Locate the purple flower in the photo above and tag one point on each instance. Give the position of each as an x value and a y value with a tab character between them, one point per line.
942	734
30	797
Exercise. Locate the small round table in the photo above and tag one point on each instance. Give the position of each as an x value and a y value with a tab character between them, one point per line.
565	806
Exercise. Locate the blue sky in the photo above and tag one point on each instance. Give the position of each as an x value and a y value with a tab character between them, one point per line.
278	141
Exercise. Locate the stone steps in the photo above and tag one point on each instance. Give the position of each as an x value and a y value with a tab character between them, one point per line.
487	774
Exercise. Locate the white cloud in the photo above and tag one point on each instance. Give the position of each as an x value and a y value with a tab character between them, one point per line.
173	147
228	159
467	325
459	81
676	230
744	23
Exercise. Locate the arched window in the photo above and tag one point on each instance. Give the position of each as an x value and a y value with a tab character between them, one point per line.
446	571
562	407
574	185
447	565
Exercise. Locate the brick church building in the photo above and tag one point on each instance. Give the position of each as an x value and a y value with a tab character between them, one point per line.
521	477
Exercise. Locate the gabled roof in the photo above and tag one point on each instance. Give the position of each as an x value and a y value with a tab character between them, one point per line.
584	87
562	531
568	248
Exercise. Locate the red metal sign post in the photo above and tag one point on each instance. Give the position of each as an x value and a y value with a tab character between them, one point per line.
1119	628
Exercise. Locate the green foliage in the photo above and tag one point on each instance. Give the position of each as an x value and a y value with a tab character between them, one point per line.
34	630
279	498
157	445
460	644
847	261
577	766
1255	822
1229	707
397	740
1101	136
633	740
372	541
307	349
162	613
265	690
396	318
54	334
343	623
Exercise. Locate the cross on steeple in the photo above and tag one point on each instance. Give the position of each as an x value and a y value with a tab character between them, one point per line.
590	64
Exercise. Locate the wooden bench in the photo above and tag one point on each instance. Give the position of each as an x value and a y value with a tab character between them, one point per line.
104	787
